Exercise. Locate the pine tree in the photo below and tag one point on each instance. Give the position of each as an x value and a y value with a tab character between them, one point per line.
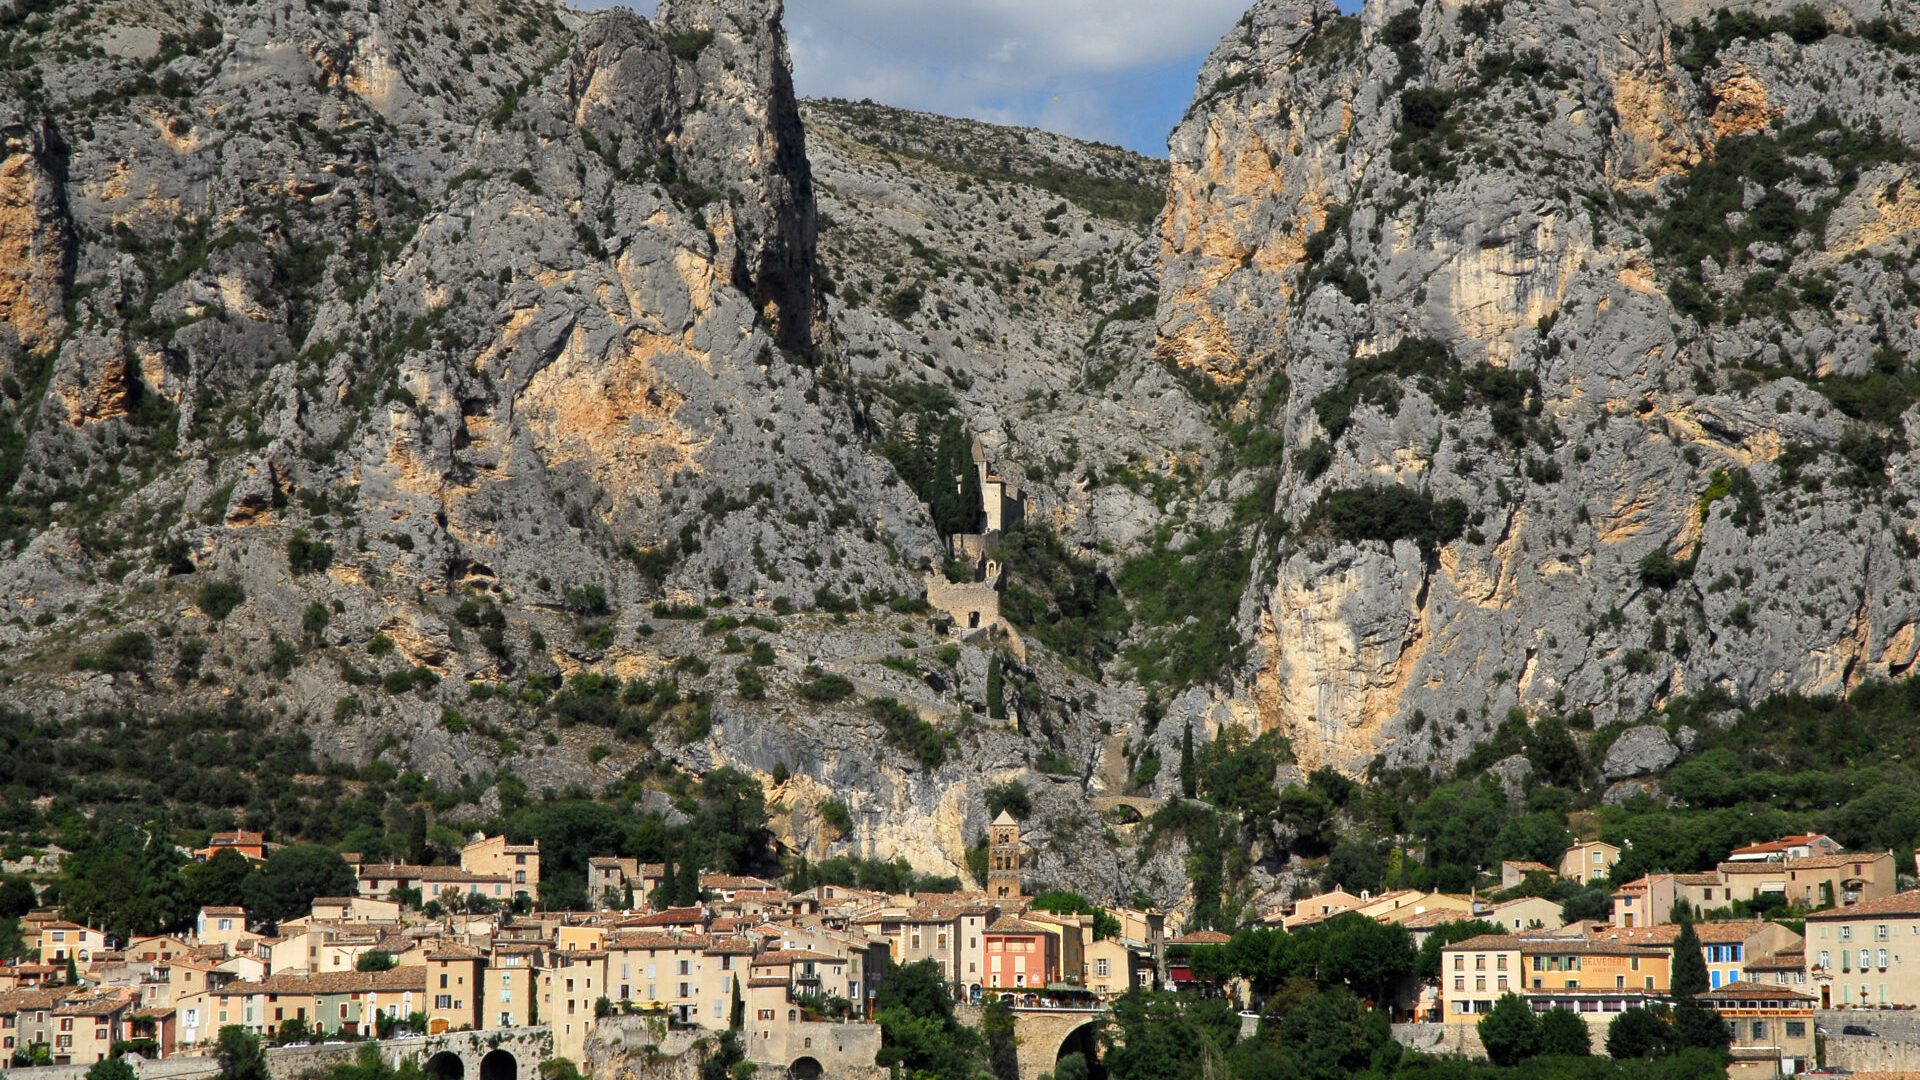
1189	783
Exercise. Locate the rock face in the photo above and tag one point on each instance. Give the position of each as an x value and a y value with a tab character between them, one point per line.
1639	751
1463	359
1575	311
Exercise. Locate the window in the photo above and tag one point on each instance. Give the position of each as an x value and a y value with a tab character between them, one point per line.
1846	933
1880	932
1796	1029
1883	959
766	1014
1100	968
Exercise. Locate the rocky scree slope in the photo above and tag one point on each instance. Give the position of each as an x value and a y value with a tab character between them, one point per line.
452	389
1594	330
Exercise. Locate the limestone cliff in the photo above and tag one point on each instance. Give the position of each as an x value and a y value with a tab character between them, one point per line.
1595	329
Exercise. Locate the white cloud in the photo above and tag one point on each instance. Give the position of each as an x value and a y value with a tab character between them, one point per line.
1074	66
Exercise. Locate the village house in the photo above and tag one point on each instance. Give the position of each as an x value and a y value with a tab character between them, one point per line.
1867	954
251	846
1588	861
518	865
1020	955
1589	975
1772	1029
61	941
1311	909
1529	913
85	1028
1815	882
1514	872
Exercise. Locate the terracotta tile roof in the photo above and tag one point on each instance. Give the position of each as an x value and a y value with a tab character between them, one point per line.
1202	937
1753	991
1906	903
1813	862
789	957
1007	924
333	982
223	910
14	1001
1484	943
1782	844
682	916
644	939
1784	960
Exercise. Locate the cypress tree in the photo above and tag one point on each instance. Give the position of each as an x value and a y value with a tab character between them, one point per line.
1689	965
687	890
737	1012
663	893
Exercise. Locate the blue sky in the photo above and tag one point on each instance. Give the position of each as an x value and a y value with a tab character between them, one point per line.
1116	71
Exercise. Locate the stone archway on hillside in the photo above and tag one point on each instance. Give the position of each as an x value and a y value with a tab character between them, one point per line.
805	1068
445	1065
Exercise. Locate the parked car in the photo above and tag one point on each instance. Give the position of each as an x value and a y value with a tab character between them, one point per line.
1857	1029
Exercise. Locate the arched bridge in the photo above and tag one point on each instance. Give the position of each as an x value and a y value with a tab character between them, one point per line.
1140	809
1044	1036
498	1054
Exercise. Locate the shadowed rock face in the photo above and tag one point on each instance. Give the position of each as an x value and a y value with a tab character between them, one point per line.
1594	353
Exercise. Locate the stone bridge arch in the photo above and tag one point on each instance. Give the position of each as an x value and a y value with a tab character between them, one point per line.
497	1054
1044	1035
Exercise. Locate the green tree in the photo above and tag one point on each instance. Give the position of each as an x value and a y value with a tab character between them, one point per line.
113	1068
1427	966
1695	1025
1510	1032
238	1053
125	879
16	897
733	820
1332	1035
1160	1036
374	960
996	689
1003	1056
1368	956
1638	1034
286	886
737	1010
220	881
1554	753
918	1031
1564	1034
